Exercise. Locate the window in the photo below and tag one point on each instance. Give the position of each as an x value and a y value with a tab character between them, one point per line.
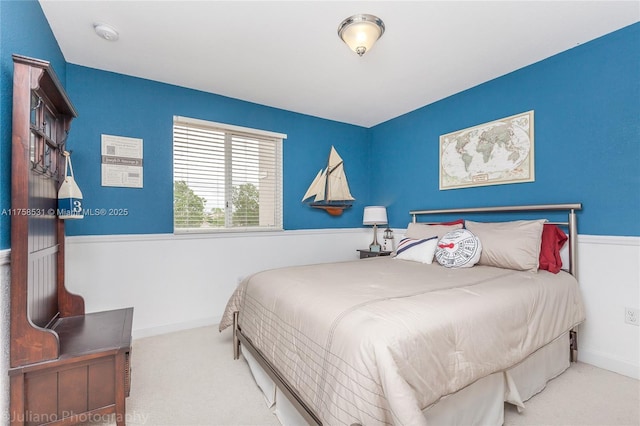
225	177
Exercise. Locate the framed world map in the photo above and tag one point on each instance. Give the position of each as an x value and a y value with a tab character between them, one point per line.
494	153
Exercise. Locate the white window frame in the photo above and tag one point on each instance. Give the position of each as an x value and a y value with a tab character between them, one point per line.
230	131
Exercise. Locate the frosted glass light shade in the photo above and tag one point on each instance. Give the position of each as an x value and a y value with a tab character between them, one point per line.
360	32
374	215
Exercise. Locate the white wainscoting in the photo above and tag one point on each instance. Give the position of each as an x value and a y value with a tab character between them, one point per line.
609	275
184	281
5	287
177	282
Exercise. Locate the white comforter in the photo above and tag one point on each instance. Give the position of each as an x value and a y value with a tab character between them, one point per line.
376	341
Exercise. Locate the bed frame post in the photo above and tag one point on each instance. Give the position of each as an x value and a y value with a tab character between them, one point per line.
573	244
236	341
573	269
573	345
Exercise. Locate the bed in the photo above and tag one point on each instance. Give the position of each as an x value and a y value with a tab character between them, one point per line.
405	341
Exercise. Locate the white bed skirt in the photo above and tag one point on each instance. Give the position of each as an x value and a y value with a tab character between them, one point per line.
481	403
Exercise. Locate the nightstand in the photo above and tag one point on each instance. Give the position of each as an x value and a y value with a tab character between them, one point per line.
364	253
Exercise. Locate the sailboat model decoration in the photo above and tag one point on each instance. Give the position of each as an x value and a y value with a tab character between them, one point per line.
330	188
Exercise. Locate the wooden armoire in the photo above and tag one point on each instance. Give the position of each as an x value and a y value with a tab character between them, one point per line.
66	366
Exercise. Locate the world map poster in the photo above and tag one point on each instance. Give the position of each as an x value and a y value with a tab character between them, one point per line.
494	153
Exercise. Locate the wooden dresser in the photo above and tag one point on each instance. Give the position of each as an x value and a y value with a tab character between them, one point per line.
66	367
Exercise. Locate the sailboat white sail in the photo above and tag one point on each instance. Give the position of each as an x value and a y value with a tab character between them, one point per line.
317	187
330	188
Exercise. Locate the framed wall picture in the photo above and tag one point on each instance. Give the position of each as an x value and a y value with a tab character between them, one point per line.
122	161
494	153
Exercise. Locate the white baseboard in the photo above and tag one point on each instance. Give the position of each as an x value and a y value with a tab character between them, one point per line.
609	362
171	328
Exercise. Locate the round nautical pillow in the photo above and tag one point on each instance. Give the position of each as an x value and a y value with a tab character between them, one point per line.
458	249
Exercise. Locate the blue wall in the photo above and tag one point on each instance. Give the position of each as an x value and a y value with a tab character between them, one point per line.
25	31
587	138
115	104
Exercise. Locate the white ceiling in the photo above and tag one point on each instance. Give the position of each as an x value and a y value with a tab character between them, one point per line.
287	54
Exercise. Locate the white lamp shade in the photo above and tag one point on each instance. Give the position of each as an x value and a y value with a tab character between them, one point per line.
374	215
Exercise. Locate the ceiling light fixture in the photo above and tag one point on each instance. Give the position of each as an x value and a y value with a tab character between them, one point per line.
106	32
360	32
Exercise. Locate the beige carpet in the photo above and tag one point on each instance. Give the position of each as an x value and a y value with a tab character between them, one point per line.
190	378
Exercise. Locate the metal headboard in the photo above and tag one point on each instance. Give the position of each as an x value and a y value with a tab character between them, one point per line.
571	223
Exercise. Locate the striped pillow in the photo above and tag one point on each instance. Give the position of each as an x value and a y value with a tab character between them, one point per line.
417	250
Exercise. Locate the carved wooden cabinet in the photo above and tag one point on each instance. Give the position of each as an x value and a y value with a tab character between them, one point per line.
65	365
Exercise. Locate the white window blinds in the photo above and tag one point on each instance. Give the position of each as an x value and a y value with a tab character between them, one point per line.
225	177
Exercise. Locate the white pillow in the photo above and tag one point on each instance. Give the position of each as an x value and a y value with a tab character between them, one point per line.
417	250
424	230
510	245
458	249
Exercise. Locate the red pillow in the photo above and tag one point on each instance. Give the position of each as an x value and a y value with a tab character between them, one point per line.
453	222
553	238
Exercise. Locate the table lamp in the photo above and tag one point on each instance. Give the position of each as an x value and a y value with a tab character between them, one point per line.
375	215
